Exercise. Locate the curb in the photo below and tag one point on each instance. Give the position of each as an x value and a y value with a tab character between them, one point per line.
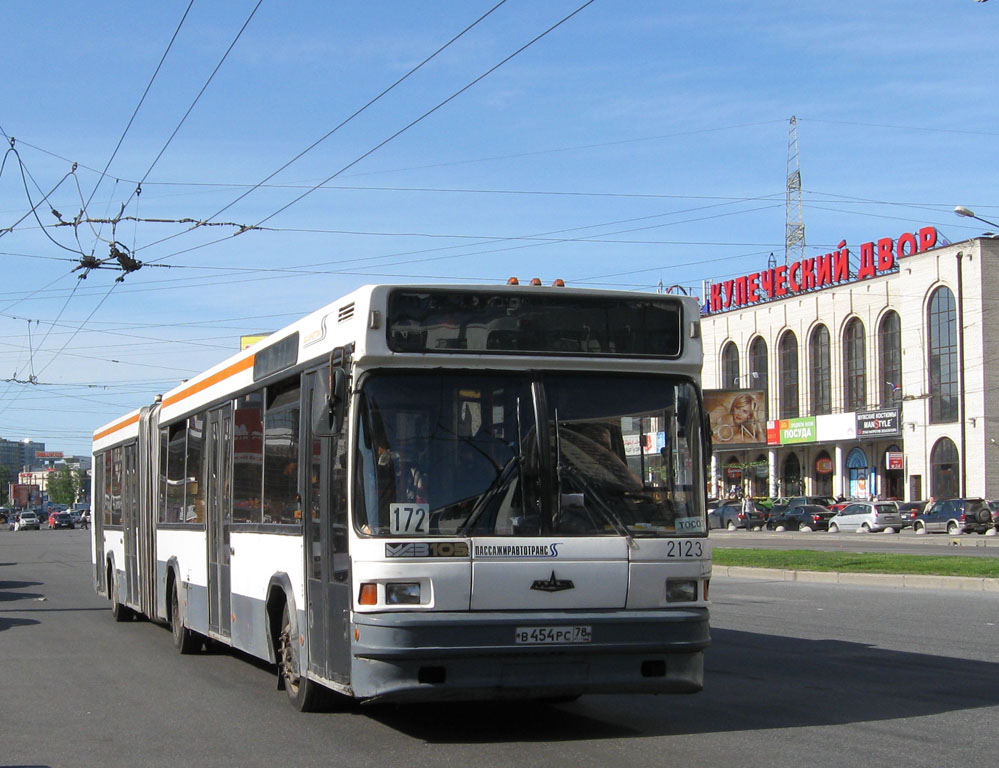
889	580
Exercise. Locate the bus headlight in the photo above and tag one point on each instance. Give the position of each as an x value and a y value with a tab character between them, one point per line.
402	593
681	590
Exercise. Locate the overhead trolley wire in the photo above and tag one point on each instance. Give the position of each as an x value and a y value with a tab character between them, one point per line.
139	105
340	125
395	135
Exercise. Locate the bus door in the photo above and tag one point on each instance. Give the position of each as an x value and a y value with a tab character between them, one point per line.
131	523
327	559
218	491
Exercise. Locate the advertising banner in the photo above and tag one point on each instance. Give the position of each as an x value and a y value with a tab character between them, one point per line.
738	416
885	422
790	431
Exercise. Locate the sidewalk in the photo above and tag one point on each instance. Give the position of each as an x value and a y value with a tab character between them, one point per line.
885	580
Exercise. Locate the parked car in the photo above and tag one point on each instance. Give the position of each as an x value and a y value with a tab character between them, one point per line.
955	516
804	517
730	515
822	501
61	520
867	517
910	510
26	521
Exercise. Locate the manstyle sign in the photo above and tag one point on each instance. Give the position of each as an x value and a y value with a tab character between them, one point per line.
879	423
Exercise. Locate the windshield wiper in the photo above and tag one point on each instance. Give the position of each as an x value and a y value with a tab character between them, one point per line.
487	495
606	511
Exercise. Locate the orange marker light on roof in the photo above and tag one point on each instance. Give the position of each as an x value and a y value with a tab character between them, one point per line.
559	282
535	281
513	281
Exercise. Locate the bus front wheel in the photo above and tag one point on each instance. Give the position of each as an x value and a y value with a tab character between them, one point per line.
304	695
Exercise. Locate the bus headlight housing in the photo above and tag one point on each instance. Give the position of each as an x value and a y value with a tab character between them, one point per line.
402	593
681	590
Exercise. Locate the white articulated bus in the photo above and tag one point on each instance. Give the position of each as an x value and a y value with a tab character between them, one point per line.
427	493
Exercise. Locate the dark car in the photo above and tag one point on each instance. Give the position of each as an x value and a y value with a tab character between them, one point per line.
730	515
910	510
955	516
61	520
804	517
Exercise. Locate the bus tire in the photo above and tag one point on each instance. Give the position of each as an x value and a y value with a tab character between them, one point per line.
303	694
184	640
119	611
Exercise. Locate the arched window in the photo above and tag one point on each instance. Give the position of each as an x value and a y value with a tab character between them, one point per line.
823	474
761	476
758	364
854	367
945	468
730	366
856	474
890	358
941	323
788	375
790	481
821	367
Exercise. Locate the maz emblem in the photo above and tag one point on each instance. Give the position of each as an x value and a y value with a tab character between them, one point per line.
552	584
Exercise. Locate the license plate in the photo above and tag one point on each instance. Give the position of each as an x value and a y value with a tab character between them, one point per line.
552	635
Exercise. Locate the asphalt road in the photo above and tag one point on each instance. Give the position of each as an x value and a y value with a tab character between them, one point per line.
798	674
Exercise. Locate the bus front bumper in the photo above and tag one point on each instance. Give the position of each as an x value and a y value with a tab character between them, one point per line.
496	655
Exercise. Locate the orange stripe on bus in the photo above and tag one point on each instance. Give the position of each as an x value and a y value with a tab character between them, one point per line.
215	378
111	430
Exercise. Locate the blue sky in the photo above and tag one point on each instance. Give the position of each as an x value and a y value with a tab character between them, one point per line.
636	143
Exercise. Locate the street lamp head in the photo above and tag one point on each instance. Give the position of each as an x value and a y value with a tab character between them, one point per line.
962	211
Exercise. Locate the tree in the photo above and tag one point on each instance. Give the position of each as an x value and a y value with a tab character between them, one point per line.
62	486
82	485
4	480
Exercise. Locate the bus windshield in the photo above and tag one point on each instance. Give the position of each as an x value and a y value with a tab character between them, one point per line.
462	453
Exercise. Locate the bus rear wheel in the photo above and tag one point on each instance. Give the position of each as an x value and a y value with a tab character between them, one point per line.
119	611
303	694
184	640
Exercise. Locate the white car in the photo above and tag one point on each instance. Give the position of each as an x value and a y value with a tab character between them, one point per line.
867	517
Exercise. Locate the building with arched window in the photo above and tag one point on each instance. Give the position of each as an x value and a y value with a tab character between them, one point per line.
882	378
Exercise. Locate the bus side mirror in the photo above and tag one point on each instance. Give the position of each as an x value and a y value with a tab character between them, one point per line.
329	401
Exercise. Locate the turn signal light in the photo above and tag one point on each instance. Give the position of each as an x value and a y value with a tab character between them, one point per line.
368	594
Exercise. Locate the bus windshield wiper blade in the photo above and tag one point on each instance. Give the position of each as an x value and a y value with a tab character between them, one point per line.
606	511
487	495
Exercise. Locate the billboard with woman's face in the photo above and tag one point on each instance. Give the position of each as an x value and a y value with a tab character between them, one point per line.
738	416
